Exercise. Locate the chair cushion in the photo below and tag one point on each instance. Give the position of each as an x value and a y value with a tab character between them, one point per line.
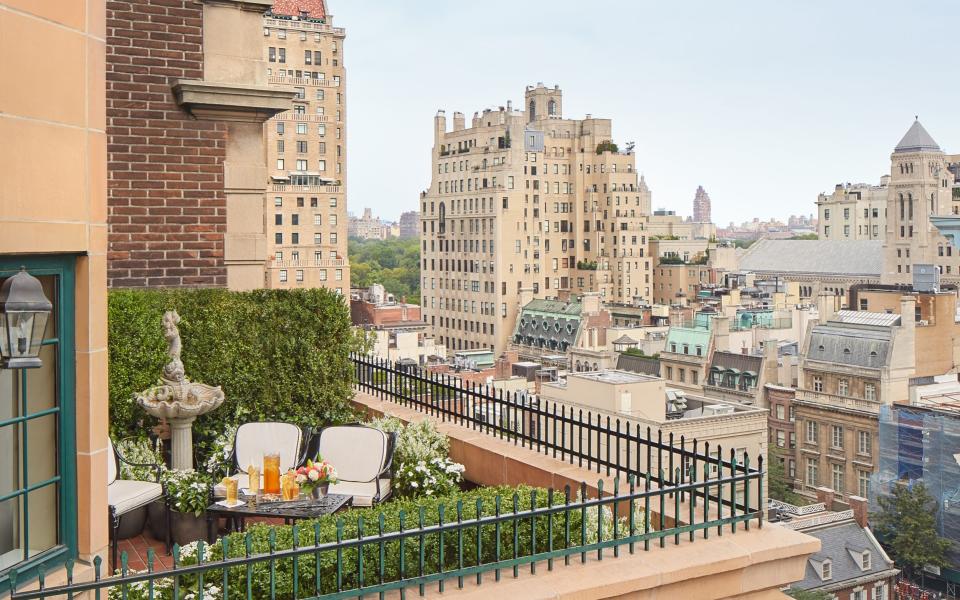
363	492
358	454
254	440
125	495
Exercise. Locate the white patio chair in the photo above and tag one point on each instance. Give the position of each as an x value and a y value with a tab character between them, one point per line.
254	440
126	495
362	457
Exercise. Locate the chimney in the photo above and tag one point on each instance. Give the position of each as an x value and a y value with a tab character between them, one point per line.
459	123
721	333
860	512
826	495
590	303
908	307
826	306
525	296
476	120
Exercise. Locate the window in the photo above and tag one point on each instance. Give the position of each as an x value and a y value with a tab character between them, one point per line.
813	432
843	386
278	219
836	436
317	219
792	468
333	202
279	164
278	238
333	220
294	238
338	274
870	391
817	383
781	438
283	275
863	483
299	274
295	218
826	570
863	442
669	373
813	472
301	164
283	54
277	201
838	478
33	403
780	412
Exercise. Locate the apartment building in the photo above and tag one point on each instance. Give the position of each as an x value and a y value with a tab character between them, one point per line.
368	227
855	211
526	199
306	203
410	224
851	365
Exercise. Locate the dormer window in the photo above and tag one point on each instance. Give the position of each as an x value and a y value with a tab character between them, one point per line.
820	347
865	560
826	570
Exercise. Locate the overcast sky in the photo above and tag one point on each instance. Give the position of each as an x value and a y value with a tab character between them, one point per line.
764	103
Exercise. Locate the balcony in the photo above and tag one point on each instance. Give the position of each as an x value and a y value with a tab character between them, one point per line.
290	24
307	264
320	189
315	82
304	117
811	397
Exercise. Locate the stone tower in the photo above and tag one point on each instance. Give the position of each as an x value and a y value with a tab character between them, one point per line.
918	188
701	206
543	102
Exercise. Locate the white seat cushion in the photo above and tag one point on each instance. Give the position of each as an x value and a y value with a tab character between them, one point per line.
125	495
254	440
357	453
363	492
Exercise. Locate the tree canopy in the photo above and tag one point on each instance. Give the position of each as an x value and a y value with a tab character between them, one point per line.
906	525
394	263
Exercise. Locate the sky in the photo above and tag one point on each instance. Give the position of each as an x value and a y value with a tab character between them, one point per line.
765	103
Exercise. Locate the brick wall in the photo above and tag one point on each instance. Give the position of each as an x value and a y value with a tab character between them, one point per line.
167	212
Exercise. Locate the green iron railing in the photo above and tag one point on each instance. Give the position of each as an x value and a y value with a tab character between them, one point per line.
444	548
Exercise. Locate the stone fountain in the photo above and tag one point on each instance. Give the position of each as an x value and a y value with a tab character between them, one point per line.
178	401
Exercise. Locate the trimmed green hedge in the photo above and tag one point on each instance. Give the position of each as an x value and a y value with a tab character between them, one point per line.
260	542
279	355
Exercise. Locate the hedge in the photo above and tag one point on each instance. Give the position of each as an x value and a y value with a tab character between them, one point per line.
260	542
280	355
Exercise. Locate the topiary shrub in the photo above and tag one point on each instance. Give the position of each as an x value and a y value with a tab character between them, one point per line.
280	355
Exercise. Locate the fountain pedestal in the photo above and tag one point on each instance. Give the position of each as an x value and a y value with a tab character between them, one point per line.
178	401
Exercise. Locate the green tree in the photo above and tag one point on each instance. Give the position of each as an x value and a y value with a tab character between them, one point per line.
393	263
778	484
906	523
805	236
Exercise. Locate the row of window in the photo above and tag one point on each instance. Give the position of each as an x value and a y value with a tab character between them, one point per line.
295	256
837	442
295	219
298	273
837	478
303	147
282	35
682	375
314	202
846	213
310	57
303	164
301	129
843	383
295	238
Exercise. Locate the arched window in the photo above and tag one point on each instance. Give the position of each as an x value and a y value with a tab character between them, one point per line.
595	367
533	111
552	107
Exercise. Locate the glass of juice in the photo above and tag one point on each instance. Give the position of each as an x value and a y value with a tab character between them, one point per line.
232	485
271	474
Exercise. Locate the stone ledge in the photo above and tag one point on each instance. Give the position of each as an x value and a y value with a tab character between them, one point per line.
231	102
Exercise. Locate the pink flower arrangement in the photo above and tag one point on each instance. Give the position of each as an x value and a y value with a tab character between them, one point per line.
315	473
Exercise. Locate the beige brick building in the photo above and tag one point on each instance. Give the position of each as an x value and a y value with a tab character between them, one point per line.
527	200
306	150
854	212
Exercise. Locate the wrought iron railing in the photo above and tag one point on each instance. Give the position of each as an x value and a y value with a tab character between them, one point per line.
682	494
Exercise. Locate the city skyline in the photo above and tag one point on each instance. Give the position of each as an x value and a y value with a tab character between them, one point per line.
691	89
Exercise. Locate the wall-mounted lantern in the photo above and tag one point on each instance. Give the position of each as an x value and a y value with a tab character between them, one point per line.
24	311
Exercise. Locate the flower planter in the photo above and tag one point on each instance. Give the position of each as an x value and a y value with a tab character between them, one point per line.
157	520
187	528
131	523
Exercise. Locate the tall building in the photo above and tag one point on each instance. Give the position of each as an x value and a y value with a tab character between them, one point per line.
368	227
701	206
855	211
306	205
526	200
410	224
921	186
187	96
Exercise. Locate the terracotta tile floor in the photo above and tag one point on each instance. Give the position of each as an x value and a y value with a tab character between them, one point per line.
137	547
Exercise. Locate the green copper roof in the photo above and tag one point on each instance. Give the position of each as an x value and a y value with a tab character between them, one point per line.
554	307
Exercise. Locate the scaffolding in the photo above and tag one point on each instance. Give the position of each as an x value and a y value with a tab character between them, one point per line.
921	442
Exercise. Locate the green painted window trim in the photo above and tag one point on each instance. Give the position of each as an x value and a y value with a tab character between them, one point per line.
64	267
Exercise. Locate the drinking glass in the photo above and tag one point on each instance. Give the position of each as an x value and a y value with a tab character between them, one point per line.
271	473
232	484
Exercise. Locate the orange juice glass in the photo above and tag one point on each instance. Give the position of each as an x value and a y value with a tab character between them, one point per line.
271	474
253	480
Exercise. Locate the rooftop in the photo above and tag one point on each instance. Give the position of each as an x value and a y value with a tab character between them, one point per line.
842	543
855	257
614	377
311	9
557	307
916	140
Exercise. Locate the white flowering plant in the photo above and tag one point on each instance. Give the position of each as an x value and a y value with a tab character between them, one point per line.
141	457
218	461
188	491
422	466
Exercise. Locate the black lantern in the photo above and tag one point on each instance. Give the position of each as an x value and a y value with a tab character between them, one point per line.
24	311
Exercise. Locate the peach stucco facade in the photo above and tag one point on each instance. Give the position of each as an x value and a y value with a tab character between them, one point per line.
53	200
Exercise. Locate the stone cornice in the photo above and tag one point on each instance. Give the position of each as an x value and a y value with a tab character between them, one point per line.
259	6
231	102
